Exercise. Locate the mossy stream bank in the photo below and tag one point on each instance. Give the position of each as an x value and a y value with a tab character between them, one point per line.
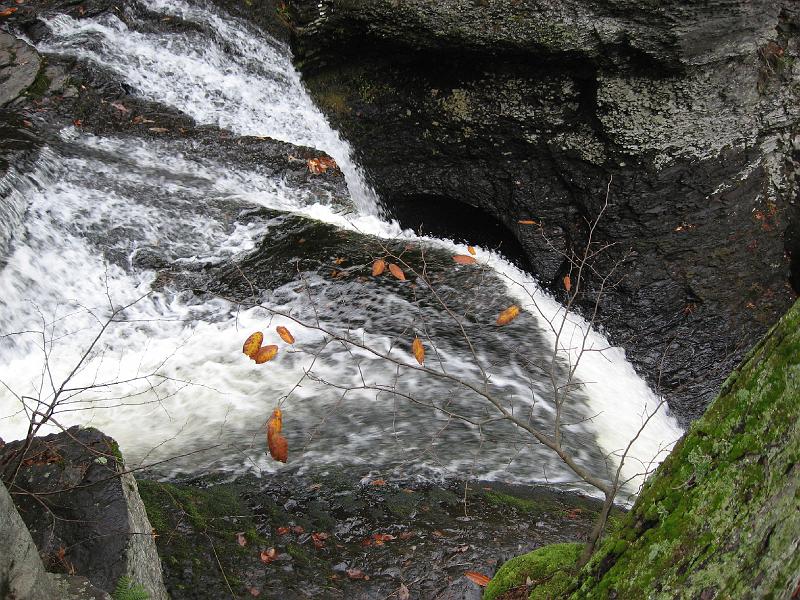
337	536
721	517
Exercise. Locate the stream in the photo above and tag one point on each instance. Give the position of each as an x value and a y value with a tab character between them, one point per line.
192	231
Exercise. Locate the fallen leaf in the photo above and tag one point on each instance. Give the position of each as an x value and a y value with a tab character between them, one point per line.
508	315
397	272
241	539
463	259
319	539
471	250
253	344
526	222
285	335
298	530
477	578
254	592
378	267
8	12
403	593
406	535
268	555
78	123
265	353
437	533
121	108
339	261
282	530
574	513
277	444
567	283
356	574
380	538
158	129
320	165
377	482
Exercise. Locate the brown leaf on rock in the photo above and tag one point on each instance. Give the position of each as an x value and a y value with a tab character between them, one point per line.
268	555
508	315
356	574
397	272
463	259
285	334
265	354
567	283
8	12
378	267
252	344
319	539
418	350
471	250
319	165
282	530
378	482
477	578
277	444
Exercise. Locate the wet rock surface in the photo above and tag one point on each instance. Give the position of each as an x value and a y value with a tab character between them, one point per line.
333	535
528	110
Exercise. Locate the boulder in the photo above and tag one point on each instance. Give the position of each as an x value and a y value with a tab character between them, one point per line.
83	510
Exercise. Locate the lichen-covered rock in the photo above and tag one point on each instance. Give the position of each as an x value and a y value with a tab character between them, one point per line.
83	510
22	573
721	516
527	109
19	67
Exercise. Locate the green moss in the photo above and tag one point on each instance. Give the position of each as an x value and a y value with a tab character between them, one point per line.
548	568
720	516
41	83
521	504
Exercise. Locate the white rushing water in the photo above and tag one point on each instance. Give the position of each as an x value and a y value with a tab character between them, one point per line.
137	194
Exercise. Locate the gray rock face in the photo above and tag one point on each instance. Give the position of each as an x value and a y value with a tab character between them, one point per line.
22	574
19	66
528	109
88	518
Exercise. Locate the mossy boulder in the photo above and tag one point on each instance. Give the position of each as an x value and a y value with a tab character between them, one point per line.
548	568
721	517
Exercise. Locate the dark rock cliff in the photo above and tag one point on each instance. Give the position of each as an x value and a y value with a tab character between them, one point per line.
527	109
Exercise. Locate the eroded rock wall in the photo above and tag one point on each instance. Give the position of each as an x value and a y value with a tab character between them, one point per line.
529	109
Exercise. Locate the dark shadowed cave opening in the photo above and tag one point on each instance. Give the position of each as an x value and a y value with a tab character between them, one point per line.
445	217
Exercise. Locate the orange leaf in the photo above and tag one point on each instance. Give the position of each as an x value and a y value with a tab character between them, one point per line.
397	272
508	315
319	539
378	482
418	350
265	353
471	250
526	222
463	259
478	578
320	165
282	530
253	344
378	267
380	538
8	12
268	555
285	335
567	282
277	444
